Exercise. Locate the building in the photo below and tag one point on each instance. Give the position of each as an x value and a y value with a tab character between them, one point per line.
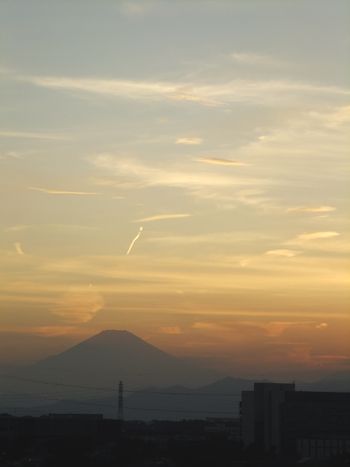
260	415
277	419
316	424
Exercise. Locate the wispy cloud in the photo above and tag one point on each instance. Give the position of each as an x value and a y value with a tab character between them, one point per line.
78	304
62	227
312	210
220	161
11	155
219	238
136	8
283	252
254	59
240	90
144	175
322	325
317	236
334	119
161	217
31	135
192	141
17	228
18	248
51	191
170	330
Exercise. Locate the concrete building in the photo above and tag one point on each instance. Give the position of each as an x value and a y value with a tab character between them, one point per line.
260	415
315	424
276	418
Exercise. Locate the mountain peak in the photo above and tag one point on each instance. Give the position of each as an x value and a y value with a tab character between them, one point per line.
113	333
113	355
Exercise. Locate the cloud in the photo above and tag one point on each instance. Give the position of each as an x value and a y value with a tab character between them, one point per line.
62	192
277	328
332	357
334	119
321	326
18	248
11	155
32	135
316	209
161	217
61	227
189	141
171	330
140	175
219	161
317	236
218	238
46	331
283	252
203	325
256	59
17	228
136	8
78	305
211	94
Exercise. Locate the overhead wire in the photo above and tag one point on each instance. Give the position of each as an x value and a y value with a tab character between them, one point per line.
111	389
114	406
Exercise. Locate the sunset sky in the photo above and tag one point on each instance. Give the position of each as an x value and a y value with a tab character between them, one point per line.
179	169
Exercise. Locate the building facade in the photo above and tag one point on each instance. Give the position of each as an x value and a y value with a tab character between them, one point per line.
275	418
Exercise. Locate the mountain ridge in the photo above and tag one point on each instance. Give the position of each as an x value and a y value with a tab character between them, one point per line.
108	357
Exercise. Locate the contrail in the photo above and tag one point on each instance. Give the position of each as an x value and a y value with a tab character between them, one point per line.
134	241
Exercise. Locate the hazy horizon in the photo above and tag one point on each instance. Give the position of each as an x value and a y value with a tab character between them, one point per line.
179	170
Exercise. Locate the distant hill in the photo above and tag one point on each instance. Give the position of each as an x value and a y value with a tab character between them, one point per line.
338	382
157	385
102	361
220	399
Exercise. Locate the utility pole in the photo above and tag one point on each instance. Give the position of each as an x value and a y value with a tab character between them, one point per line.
121	401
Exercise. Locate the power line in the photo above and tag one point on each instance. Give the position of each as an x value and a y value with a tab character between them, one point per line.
110	389
142	409
114	406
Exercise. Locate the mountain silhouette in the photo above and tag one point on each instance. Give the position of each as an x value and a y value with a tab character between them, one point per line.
103	360
85	378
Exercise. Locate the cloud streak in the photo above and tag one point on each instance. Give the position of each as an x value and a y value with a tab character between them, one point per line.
31	135
194	141
283	252
138	174
78	304
317	236
211	94
220	161
312	210
254	59
162	217
18	248
63	192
